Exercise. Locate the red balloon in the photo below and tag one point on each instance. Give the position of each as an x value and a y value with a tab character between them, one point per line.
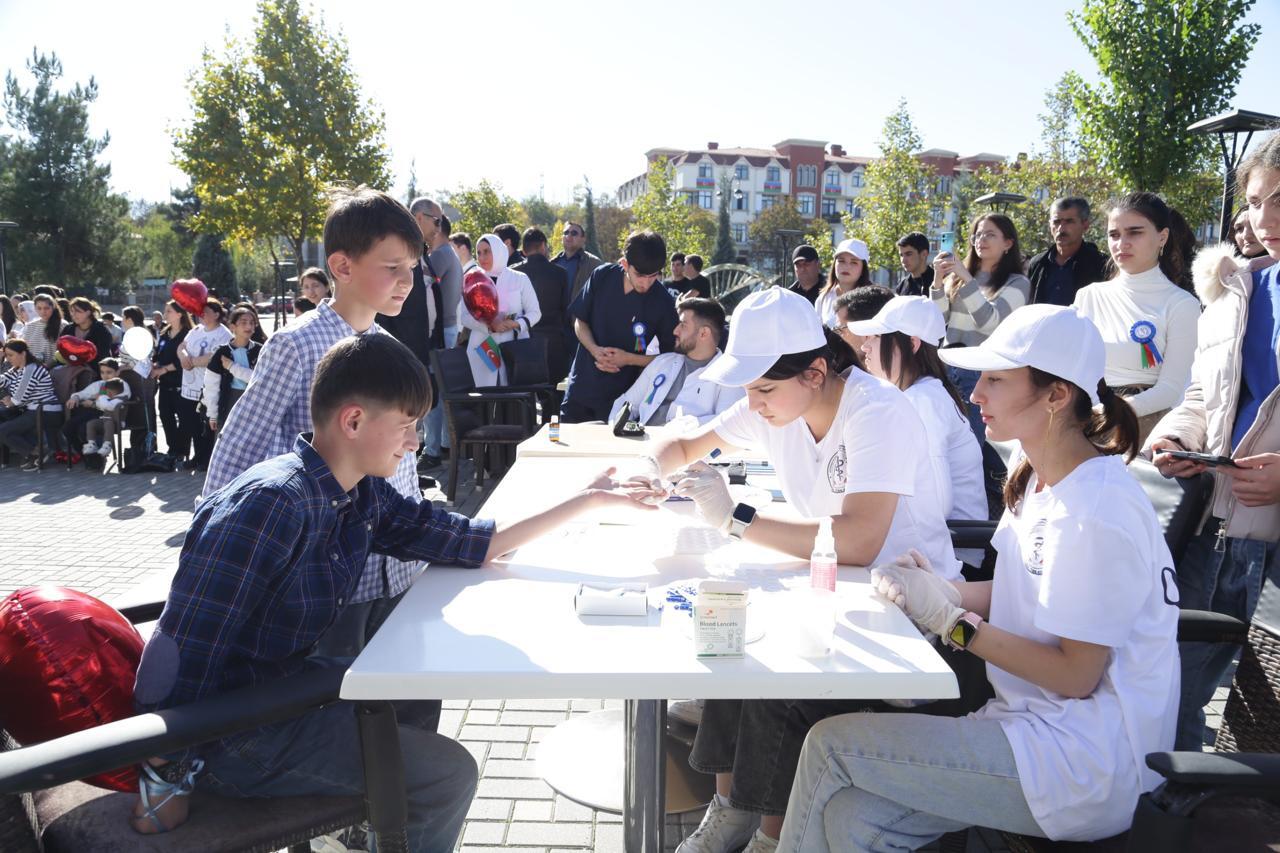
190	294
76	350
69	661
480	296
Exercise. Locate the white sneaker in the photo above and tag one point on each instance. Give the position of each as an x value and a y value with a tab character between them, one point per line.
89	447
688	711
106	449
723	829
761	843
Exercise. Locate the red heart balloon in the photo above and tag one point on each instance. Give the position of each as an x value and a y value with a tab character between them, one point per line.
190	294
69	662
76	350
480	296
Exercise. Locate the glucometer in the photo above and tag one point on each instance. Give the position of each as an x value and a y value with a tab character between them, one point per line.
624	427
1203	458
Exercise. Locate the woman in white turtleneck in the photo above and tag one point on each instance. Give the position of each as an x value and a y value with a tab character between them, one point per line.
1148	322
518	311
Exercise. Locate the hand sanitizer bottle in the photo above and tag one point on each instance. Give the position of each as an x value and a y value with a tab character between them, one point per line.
822	562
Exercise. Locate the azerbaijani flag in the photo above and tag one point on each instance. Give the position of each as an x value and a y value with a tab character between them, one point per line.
490	354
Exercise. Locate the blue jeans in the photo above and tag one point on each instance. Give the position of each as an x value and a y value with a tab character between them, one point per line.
1227	581
965	381
435	437
318	754
872	782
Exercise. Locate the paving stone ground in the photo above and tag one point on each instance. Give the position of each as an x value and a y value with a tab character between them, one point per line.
118	536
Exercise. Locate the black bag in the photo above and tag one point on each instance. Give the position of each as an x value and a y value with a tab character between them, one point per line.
161	463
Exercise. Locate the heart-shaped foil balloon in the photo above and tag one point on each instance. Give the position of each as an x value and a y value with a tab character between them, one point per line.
480	296
75	350
190	294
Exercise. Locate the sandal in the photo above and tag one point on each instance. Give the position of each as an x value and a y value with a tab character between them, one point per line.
151	785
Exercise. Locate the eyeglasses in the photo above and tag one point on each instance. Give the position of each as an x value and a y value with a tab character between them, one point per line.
573	233
986	235
840	329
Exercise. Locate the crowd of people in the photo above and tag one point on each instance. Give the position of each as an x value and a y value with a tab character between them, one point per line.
876	407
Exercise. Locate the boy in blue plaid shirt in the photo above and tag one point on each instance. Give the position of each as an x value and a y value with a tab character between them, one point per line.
271	560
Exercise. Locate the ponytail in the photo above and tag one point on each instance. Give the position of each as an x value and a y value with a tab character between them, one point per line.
1114	430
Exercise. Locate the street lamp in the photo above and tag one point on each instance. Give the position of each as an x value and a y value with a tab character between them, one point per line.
278	292
4	281
1000	201
1234	123
785	236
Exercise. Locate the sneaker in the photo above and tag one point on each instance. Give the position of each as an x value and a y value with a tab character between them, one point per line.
32	463
105	450
76	458
427	462
90	447
188	464
687	711
723	829
761	843
60	456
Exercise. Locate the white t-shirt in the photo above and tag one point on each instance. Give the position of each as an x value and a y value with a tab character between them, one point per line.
201	342
953	450
1086	560
876	444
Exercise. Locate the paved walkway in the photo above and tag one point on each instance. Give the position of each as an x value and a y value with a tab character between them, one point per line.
118	537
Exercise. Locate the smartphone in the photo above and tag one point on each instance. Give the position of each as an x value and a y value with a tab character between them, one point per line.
944	243
1203	458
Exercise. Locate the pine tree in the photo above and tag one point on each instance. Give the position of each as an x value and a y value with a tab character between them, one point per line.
725	252
212	264
589	214
411	192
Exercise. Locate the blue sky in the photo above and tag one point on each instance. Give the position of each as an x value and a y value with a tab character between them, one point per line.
535	95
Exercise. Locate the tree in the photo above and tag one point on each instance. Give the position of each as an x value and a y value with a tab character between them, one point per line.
1164	64
411	191
766	246
589	225
724	252
275	125
72	227
212	264
660	211
613	224
897	196
483	208
818	235
162	253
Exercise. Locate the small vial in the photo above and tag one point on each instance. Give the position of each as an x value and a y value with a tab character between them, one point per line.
553	432
822	562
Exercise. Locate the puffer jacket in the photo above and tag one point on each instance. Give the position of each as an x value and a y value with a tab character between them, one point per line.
1204	421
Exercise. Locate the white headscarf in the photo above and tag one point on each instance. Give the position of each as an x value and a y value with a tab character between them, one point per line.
27	308
500	254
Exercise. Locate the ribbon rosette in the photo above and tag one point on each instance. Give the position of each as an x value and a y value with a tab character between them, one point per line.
657	383
1143	333
638	329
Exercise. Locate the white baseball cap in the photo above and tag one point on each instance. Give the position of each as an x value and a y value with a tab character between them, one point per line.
855	247
911	315
767	325
1047	337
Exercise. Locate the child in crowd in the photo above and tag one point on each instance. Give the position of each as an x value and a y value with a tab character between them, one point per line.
101	431
269	563
231	368
194	354
85	407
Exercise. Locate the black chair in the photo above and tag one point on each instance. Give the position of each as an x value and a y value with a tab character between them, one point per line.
43	809
472	416
529	370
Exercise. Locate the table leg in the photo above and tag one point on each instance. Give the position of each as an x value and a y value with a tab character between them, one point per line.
384	791
644	785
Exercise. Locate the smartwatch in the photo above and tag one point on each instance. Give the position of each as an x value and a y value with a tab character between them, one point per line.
963	632
743	515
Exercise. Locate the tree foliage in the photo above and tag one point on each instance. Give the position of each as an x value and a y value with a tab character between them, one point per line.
725	252
483	208
276	123
1164	64
659	210
212	264
589	222
898	193
72	228
766	246
162	251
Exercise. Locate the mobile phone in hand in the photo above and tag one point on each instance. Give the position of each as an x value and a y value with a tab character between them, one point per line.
1203	458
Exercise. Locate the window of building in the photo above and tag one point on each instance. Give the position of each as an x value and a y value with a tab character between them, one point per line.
828	207
739	232
944	186
855	181
704	199
704	170
766	201
833	178
690	198
857	214
742	203
773	173
848	206
807	176
740	171
808	203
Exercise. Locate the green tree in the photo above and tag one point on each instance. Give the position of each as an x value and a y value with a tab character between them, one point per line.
766	246
484	207
613	224
212	264
724	252
73	229
589	224
659	210
897	197
162	252
275	124
411	191
818	235
1164	64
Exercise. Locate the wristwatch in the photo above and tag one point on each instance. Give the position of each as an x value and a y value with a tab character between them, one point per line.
963	632
743	515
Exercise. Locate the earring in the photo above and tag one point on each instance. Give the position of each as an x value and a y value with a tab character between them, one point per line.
1160	254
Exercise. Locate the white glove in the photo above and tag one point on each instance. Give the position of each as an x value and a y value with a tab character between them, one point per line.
646	484
931	602
710	491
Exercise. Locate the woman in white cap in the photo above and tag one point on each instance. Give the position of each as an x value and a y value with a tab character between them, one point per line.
518	312
844	445
847	272
1077	628
900	345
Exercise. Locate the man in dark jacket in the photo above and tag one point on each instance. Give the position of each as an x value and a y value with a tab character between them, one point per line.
551	284
1070	263
575	260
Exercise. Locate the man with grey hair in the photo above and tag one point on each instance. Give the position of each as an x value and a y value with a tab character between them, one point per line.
1071	262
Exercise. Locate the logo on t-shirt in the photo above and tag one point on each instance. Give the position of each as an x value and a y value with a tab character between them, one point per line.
1035	559
837	473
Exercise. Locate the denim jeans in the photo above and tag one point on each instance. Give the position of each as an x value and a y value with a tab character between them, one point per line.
18	430
434	433
873	782
1227	581
318	754
965	381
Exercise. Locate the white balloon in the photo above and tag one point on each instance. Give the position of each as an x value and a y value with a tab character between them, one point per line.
137	343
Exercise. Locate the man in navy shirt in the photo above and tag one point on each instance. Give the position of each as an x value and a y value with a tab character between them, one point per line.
617	317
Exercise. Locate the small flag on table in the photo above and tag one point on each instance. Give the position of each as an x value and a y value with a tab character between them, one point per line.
490	354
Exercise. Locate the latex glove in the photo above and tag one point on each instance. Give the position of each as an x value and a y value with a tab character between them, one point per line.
710	491
647	484
932	602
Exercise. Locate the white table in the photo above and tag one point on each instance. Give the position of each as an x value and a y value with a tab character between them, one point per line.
510	631
590	440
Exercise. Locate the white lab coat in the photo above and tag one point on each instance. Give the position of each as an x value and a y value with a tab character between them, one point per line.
516	299
698	397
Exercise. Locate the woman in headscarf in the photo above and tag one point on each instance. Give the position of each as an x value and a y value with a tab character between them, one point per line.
518	312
